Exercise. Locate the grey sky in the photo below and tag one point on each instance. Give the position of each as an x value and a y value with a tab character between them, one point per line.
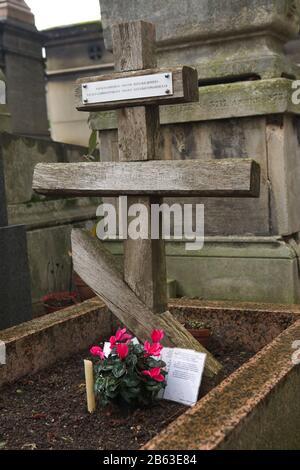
49	13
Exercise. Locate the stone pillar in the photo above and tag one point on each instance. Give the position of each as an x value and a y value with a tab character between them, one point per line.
15	292
245	110
5	117
22	62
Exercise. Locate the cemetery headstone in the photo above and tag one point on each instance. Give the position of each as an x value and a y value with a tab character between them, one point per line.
138	296
3	211
220	38
23	65
15	290
245	110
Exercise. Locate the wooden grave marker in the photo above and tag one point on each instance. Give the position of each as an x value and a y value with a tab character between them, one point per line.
138	296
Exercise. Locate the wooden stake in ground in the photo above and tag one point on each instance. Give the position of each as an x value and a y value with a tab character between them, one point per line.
138	296
89	384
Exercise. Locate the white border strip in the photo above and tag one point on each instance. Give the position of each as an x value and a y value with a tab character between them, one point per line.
2	353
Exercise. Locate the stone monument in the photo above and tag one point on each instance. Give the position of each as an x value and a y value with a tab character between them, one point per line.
222	39
22	62
5	117
244	111
16	10
15	293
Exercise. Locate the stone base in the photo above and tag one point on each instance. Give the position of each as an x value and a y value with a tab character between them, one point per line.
15	292
254	269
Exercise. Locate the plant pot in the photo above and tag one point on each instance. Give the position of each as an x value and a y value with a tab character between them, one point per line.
202	335
59	301
84	291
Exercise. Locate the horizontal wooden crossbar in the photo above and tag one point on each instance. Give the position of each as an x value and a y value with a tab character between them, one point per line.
230	177
185	89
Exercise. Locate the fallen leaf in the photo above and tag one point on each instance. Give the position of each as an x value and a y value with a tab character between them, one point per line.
2	444
28	446
67	439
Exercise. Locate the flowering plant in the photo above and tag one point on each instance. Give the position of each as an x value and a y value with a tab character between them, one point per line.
132	371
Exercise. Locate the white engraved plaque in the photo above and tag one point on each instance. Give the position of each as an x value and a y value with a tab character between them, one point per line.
128	88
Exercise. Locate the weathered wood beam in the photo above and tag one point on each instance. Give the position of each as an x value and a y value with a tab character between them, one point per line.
145	269
134	45
228	177
185	89
100	270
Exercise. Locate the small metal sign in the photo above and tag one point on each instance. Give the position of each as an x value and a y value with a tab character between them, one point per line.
128	88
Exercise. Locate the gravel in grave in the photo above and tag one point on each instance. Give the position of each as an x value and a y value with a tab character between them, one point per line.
48	411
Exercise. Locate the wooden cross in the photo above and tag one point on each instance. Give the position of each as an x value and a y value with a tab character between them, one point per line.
138	295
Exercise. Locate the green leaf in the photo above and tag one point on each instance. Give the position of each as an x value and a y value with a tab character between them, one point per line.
138	349
151	362
131	381
107	367
130	394
131	360
112	394
99	385
113	384
152	386
119	369
126	396
93	142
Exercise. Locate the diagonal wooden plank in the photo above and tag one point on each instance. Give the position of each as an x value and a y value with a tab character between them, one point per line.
230	177
100	270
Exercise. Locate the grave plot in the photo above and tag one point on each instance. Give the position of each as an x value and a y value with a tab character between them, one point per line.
256	406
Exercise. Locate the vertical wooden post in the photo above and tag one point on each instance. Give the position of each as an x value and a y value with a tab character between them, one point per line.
139	135
89	384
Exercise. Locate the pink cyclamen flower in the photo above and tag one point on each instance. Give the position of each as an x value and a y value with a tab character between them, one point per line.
122	350
152	349
120	336
155	374
157	335
97	351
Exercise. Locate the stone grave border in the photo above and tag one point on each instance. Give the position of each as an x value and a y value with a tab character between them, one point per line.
247	410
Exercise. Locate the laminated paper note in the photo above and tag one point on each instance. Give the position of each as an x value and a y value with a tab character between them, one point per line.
185	369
